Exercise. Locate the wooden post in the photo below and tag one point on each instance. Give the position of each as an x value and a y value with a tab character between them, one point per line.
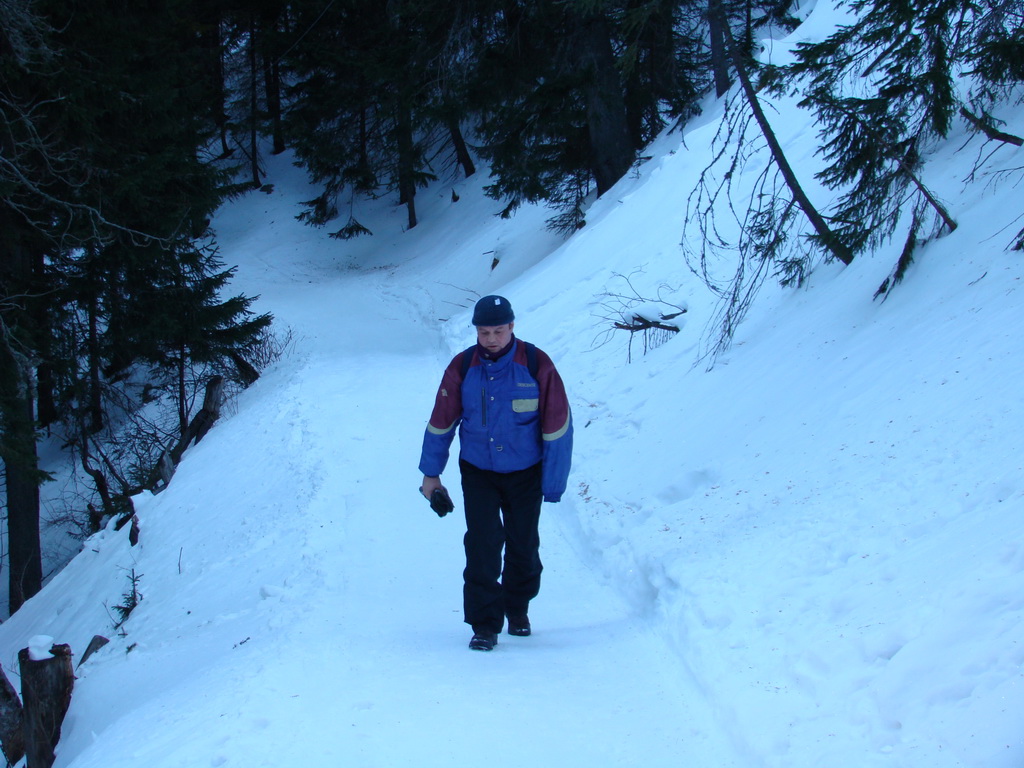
97	642
164	471
46	686
12	729
201	423
203	420
211	408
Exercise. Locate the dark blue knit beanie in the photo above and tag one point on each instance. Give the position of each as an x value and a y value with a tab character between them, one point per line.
493	310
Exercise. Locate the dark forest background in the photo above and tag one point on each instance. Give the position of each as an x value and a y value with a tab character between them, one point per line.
125	125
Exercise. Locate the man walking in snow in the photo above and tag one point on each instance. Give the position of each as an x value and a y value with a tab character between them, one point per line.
515	437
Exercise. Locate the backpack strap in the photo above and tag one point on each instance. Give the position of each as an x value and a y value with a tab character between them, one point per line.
467	359
531	359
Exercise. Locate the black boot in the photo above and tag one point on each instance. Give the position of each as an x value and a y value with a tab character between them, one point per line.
483	641
519	625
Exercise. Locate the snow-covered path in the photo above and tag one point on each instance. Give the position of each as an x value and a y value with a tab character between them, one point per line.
319	599
386	646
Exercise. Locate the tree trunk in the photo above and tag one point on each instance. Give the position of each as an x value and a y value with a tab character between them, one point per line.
826	236
99	481
611	151
46	404
406	162
719	56
22	473
272	78
272	72
90	299
45	383
254	151
95	404
654	73
461	150
213	66
181	366
17	429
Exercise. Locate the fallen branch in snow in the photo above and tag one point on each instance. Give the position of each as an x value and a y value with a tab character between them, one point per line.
656	319
638	323
990	130
655	328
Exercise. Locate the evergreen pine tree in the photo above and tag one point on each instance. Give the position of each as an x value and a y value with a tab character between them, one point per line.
110	190
358	103
663	63
551	104
882	89
35	175
995	52
776	206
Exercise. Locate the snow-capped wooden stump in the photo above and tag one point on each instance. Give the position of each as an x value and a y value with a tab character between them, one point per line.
47	679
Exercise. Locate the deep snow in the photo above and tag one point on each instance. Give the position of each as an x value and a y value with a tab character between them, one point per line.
810	555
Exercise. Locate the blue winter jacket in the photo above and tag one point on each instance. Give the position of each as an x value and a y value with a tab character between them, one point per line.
507	419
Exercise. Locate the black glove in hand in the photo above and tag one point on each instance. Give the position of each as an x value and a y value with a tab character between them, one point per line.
441	502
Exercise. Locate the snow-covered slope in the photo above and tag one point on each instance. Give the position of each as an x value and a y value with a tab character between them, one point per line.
812	554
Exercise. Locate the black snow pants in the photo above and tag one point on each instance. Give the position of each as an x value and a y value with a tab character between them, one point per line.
502	511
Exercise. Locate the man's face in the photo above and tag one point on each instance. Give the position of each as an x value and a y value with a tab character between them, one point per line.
494	338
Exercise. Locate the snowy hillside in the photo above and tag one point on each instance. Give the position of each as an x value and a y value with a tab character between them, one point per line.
810	555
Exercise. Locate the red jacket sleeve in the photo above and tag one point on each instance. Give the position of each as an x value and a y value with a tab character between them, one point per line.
444	418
